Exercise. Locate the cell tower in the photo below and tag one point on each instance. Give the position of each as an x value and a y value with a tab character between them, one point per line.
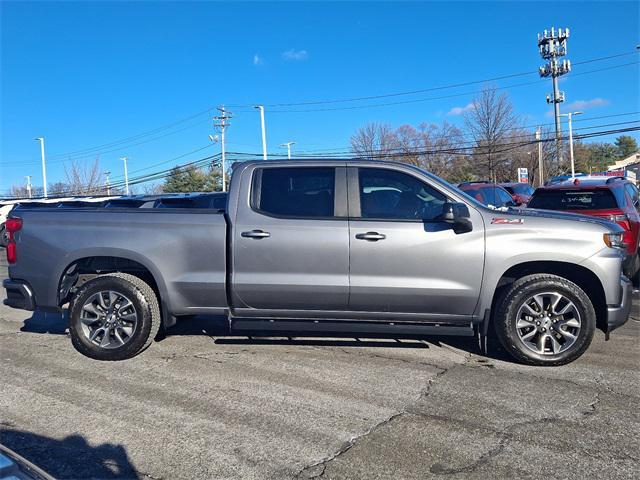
553	44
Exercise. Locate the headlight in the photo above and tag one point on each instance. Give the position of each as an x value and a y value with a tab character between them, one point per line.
613	240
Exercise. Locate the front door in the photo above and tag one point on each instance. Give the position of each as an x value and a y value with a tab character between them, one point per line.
403	260
291	241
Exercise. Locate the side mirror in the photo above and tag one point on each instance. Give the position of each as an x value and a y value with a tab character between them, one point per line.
458	215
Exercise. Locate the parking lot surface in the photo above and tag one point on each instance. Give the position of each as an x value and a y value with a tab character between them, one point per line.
203	404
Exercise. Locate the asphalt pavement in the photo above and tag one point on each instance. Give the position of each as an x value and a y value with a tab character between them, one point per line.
201	404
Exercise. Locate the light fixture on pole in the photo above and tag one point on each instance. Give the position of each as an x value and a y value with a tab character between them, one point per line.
264	134
44	164
288	147
573	165
126	175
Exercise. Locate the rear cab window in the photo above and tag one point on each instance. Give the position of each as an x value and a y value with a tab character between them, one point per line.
296	192
588	199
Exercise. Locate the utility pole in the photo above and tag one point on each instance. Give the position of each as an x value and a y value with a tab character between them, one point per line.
126	175
264	135
44	165
553	44
107	184
28	177
288	145
570	116
540	162
221	122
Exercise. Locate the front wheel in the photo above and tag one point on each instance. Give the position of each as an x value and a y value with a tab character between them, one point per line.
545	319
114	317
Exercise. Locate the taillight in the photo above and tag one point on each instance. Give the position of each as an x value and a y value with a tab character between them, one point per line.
618	218
12	225
12	253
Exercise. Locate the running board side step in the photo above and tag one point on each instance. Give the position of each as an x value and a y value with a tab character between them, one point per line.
244	325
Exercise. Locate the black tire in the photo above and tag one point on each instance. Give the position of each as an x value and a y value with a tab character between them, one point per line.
635	273
4	236
516	296
147	310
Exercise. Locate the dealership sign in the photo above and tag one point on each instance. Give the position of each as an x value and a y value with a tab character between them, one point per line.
523	175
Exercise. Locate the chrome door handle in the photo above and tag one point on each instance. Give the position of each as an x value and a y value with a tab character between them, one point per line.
255	234
370	236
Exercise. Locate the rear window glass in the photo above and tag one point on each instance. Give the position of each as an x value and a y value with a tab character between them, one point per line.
521	189
296	192
596	199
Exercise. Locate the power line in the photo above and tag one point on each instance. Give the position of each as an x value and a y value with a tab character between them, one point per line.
83	153
211	160
441	97
347	150
431	89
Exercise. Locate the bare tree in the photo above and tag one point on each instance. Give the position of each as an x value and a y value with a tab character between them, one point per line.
488	122
441	148
373	140
83	179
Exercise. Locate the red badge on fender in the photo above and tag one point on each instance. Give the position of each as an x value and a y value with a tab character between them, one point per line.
507	221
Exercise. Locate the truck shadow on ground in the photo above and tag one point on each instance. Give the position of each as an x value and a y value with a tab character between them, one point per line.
218	328
46	322
69	457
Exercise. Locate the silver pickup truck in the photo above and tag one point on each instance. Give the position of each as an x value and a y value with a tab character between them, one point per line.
325	247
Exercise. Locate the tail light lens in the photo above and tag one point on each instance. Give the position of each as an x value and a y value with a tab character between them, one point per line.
618	218
12	225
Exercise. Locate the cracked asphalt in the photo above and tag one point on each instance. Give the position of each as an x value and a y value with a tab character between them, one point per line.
202	404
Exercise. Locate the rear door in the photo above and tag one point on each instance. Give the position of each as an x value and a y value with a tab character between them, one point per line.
403	260
291	241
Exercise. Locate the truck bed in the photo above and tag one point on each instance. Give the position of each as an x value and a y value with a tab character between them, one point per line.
184	249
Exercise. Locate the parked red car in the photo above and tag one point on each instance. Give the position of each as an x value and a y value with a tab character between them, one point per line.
487	193
521	192
614	198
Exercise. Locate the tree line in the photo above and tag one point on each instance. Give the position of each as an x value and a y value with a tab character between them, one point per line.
491	145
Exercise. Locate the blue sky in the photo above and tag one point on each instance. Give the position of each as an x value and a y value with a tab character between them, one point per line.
86	74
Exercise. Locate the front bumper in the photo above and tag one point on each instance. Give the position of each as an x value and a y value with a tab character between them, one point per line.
19	295
619	314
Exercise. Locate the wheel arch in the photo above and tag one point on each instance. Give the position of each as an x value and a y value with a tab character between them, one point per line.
91	264
586	279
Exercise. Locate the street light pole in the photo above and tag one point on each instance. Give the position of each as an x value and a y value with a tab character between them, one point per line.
107	184
573	165
264	134
126	175
288	145
28	177
540	162
44	165
570	116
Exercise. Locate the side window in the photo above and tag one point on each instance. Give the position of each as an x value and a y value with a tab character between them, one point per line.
633	193
503	196
387	194
295	192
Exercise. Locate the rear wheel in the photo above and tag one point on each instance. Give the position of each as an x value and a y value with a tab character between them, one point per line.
545	320
114	317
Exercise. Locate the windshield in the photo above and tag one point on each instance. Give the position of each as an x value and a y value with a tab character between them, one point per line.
595	199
